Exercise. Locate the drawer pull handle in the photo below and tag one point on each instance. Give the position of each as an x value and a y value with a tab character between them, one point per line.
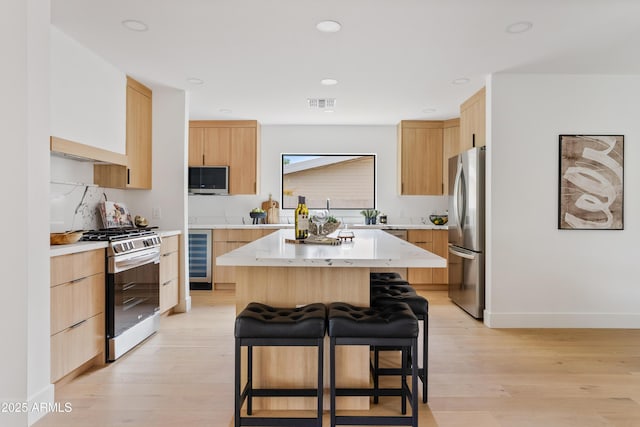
75	325
128	286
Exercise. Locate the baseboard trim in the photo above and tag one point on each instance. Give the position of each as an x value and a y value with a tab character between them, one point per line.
41	404
562	320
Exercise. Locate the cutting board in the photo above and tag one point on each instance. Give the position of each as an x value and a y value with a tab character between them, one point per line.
272	208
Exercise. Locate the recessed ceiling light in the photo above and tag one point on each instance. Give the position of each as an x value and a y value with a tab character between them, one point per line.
328	26
328	82
429	110
519	27
328	111
225	110
461	81
195	81
135	25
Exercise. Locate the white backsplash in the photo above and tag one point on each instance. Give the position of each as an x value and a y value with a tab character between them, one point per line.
68	210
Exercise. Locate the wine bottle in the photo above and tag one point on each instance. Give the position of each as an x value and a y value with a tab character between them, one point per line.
302	219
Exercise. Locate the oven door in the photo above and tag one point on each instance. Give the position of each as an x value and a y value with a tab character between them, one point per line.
133	290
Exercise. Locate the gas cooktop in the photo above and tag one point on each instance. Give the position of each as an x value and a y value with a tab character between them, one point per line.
110	234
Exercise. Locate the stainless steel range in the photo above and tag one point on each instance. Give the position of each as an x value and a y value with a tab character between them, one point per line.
132	287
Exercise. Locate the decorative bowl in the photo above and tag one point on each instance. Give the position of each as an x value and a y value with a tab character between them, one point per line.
438	219
65	238
258	214
328	228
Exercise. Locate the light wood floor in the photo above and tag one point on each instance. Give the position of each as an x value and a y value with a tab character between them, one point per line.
480	377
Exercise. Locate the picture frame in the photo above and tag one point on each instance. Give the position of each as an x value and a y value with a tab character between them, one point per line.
591	182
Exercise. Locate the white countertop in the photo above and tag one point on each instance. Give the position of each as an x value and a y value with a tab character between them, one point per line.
351	226
369	248
57	250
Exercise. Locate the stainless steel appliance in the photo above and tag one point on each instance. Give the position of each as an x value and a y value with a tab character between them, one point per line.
200	260
132	287
466	230
212	180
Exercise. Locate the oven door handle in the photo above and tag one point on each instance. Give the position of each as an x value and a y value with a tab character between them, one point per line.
136	261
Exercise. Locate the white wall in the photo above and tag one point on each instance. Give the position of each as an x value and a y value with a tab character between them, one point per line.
537	275
381	140
24	318
88	96
169	133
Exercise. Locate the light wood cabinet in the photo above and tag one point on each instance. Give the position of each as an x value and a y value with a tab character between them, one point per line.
169	273
138	172
226	240
450	148
472	122
435	241
420	157
233	143
77	311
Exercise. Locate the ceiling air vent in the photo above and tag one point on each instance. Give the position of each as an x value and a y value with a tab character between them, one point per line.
321	103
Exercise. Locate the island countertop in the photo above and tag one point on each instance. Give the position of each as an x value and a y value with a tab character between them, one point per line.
369	248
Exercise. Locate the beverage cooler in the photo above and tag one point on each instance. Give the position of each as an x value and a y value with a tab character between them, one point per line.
200	259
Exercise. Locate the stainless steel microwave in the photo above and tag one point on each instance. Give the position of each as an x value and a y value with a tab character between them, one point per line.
209	180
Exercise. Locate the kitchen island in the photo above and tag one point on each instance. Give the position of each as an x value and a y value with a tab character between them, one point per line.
272	271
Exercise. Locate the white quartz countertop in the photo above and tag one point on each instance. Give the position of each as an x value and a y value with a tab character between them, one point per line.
286	226
369	248
57	250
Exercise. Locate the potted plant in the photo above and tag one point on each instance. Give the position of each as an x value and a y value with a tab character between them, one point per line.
370	215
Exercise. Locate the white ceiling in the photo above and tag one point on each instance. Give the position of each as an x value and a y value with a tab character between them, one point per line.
393	59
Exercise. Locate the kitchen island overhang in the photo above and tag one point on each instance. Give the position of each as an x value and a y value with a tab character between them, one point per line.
280	274
369	248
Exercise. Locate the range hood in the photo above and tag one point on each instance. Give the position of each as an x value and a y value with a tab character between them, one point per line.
85	153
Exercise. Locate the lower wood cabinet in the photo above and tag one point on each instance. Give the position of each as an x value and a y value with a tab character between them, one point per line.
77	311
169	273
435	241
226	240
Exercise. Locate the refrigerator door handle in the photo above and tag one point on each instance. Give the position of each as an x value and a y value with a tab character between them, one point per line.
461	253
457	188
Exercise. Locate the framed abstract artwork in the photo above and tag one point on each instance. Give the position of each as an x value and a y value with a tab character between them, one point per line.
591	182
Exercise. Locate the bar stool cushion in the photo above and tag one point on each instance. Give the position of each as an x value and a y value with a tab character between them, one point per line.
373	283
384	275
419	305
392	291
390	320
263	321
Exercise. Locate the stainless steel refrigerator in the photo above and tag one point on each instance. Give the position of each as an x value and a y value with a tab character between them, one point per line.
466	230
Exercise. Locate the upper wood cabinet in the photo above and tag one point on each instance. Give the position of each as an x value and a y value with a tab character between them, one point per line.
450	148
233	143
137	173
420	157
472	121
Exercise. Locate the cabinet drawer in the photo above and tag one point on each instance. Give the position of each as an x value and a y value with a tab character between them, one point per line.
75	301
168	267
169	244
420	236
65	268
72	347
168	294
238	235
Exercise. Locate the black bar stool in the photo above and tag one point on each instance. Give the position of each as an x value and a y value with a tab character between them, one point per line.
392	325
390	294
262	325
